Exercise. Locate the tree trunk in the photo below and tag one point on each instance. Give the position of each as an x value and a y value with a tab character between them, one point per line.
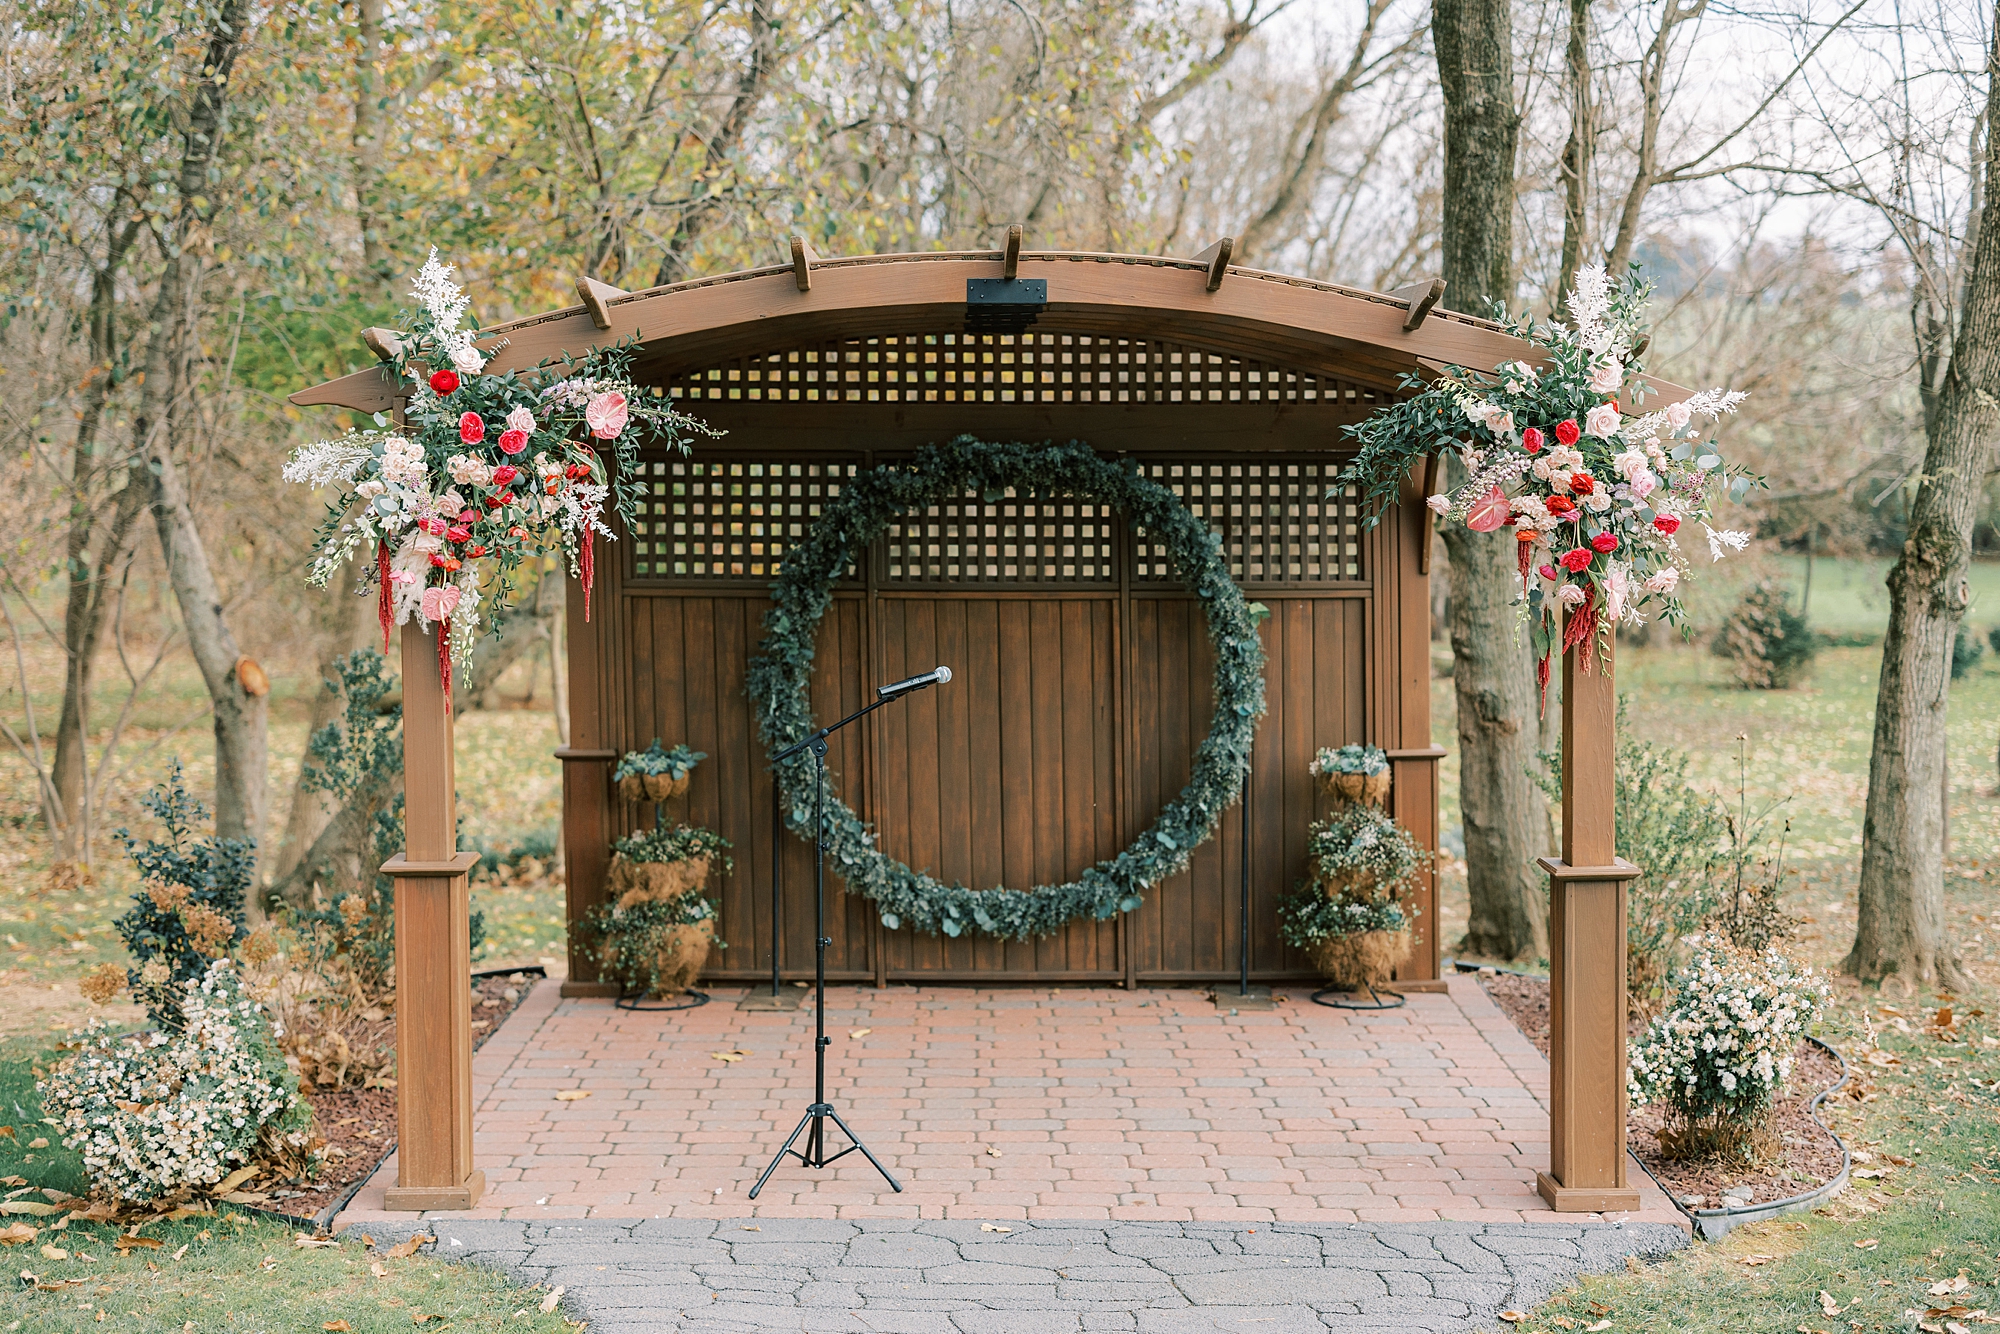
342	858
1579	153
1901	926
1506	823
242	758
341	621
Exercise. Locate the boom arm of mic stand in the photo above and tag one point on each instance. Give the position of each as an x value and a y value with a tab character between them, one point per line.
831	728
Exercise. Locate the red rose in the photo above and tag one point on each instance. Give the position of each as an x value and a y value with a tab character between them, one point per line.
506	472
468	515
1666	523
1606	543
1547	571
513	442
1575	559
1567	432
470	429
458	534
493	502
1559	505
475	551
437	560
1531	440
1582	483
444	382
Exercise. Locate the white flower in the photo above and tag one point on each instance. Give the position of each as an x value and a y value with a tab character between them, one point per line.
1598	501
1663	581
1678	414
469	471
1630	463
521	419
1729	538
1438	503
1607	376
1524	370
1501	423
1570	594
326	461
403	463
1601	421
465	358
443	299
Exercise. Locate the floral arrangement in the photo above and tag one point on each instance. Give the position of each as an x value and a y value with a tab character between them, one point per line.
1722	1049
189	907
1359	844
654	946
163	1114
1310	918
1365	760
656	762
678	843
488	470
1599	496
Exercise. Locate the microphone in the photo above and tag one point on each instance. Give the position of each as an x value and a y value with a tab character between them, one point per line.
938	677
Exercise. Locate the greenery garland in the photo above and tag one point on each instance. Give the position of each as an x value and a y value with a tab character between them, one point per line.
779	680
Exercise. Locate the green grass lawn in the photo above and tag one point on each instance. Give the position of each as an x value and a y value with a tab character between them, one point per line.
228	1270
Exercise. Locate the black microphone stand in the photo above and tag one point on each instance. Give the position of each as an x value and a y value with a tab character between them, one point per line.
815	1155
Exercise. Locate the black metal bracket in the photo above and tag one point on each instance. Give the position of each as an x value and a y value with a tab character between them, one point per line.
1004	305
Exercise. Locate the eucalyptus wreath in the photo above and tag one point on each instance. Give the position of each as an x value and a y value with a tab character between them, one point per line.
780	675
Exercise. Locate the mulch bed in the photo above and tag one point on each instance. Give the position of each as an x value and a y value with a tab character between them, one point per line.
359	1125
1809	1155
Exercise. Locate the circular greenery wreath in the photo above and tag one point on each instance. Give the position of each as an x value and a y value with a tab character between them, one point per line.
779	677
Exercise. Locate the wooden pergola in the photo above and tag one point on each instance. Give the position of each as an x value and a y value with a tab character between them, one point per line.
1228	384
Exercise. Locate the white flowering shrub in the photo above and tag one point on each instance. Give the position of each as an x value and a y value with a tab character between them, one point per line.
164	1113
1722	1049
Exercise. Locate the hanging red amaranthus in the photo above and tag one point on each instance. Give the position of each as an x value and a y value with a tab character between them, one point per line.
444	660
586	565
385	611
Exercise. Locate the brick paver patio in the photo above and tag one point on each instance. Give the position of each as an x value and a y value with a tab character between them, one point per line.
1015	1103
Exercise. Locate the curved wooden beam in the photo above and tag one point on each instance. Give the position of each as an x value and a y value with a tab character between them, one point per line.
1315	326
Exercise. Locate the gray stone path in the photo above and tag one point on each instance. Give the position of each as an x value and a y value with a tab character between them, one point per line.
808	1276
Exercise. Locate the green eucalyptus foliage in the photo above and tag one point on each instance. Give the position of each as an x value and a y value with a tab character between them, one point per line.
1307	917
678	843
632	940
676	763
779	681
214	872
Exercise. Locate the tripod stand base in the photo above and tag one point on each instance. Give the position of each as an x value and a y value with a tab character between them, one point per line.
1348	1000
815	1154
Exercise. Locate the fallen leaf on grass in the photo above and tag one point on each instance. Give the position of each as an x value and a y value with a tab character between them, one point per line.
1599	1308
6	1132
54	1253
337	1327
35	1208
1827	1305
572	1095
268	1263
305	1243
16	1234
1633	1264
245	1197
128	1242
1597	1328
555	1295
234	1179
1868	1244
1945	1287
1513	1317
1754	1260
732	1056
182	1251
403	1250
378	1270
1869	1174
38	1143
1880	1057
994	1227
13	1181
418	1317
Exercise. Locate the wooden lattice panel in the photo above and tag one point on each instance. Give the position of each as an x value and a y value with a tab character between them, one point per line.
726	519
1276	522
1011	539
1036	366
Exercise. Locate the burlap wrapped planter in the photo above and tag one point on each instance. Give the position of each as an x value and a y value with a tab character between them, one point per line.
652	787
1363	960
645	882
1366	789
682	952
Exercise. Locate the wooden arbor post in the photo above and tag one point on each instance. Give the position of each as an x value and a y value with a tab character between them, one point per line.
1587	957
433	954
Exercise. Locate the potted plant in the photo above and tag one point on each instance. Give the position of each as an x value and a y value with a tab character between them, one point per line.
656	932
1350	916
1353	773
654	774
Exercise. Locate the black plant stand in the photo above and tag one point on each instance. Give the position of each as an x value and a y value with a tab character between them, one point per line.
1337	999
813	1124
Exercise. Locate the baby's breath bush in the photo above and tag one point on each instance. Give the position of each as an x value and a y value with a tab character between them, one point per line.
1722	1050
162	1114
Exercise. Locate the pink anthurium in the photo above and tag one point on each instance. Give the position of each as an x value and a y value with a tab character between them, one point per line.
1490	512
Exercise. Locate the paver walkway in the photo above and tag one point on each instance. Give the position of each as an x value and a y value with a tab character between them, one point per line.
813	1276
1005	1104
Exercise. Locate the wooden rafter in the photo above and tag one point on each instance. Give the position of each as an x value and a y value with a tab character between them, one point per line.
1010	255
803	259
1422	296
1216	260
597	299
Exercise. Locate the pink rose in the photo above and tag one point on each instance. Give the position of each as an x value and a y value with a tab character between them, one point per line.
522	420
1602	421
513	442
605	415
471	429
438	603
1644	485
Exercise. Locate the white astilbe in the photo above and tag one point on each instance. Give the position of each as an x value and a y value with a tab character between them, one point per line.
1590	308
443	299
325	462
1728	538
1709	403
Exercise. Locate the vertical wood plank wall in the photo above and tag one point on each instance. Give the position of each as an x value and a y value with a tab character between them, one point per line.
1072	716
